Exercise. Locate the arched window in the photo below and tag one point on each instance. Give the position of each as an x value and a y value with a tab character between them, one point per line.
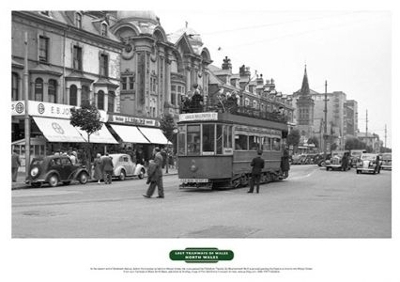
73	95
15	88
52	91
85	95
111	98
39	89
100	100
246	102
255	104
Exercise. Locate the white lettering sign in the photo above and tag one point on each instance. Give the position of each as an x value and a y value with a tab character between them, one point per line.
198	116
44	109
133	120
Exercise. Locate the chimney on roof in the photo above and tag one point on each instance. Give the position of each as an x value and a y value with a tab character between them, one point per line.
227	64
260	80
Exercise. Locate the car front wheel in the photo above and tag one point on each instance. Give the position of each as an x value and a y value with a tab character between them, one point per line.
122	175
83	178
53	180
141	174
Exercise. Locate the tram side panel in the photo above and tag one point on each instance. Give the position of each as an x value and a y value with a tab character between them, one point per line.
205	167
242	161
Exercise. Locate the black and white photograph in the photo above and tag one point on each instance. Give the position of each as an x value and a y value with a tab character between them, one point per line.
201	140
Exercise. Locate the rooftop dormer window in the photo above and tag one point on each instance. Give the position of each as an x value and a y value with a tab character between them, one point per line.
78	20
104	29
46	13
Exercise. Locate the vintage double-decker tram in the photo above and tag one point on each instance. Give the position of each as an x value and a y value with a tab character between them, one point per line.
215	149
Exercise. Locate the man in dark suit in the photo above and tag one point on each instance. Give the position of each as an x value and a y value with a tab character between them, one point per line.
108	168
15	164
258	164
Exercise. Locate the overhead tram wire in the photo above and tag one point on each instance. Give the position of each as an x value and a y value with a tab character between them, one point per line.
299	33
278	23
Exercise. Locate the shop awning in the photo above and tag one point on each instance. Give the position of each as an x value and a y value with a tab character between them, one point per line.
154	135
102	136
58	130
130	134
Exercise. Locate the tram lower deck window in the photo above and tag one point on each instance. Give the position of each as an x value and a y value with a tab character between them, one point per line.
241	142
208	137
193	139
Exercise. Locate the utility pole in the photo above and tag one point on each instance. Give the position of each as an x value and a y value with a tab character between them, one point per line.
385	136
326	119
366	127
26	100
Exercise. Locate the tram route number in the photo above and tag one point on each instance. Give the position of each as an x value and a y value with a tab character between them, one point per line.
193	180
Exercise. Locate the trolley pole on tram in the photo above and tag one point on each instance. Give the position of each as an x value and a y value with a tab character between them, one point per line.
26	100
326	119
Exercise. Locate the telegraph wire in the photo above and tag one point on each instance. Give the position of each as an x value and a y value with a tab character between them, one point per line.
279	23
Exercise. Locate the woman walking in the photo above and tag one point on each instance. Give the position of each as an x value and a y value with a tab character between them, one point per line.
98	168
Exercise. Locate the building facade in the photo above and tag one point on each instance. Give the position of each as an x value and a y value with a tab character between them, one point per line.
251	93
123	62
342	115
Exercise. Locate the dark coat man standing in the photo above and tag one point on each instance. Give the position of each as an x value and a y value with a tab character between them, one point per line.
15	164
258	164
108	168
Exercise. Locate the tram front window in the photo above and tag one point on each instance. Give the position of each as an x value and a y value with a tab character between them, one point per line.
193	139
208	138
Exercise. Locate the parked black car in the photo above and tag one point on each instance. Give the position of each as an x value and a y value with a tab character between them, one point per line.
55	169
320	160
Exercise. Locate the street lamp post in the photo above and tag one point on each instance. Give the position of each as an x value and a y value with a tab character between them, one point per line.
27	132
326	120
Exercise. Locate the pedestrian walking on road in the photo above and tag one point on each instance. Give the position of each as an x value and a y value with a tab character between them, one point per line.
151	179
98	168
285	165
108	168
157	175
258	164
15	164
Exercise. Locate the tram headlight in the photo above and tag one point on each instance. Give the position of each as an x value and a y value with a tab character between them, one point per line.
193	167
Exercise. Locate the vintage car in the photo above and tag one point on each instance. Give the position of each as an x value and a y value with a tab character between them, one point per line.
386	161
369	163
54	170
335	163
125	167
320	159
299	159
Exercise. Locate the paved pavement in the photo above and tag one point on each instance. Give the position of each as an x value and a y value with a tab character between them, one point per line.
20	184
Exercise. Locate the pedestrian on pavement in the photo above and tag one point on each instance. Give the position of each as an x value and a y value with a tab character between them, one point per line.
345	160
108	168
98	168
164	155
258	164
15	164
73	158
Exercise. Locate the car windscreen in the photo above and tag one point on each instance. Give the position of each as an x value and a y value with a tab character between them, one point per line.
368	157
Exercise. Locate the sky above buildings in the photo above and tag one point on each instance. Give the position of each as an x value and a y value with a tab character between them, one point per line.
350	49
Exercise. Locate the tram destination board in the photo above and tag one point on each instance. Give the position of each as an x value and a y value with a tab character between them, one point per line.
193	180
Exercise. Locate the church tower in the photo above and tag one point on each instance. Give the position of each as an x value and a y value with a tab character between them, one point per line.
305	109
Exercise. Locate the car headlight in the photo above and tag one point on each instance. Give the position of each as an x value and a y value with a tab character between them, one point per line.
34	171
